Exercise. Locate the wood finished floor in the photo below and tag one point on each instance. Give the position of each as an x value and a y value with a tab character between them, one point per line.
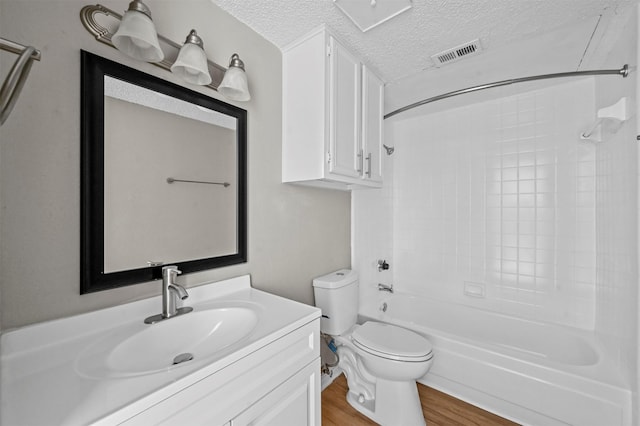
439	409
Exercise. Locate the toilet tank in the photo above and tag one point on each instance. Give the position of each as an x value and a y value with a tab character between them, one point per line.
337	296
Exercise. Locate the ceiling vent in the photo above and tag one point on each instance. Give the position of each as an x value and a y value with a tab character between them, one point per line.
455	54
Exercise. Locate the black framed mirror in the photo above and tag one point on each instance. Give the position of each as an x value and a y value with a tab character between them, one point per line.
163	177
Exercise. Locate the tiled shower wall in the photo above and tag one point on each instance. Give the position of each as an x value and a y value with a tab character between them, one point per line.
494	205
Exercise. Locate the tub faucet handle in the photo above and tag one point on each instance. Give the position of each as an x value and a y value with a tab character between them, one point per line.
382	265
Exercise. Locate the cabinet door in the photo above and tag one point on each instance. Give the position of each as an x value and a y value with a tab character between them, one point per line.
296	402
345	157
372	122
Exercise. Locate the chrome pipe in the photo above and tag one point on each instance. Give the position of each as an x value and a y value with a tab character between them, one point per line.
623	72
15	80
13	47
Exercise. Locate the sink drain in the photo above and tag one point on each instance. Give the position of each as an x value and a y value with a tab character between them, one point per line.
182	358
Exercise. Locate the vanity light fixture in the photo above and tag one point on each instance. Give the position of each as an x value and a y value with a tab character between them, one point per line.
136	36
231	83
234	85
191	65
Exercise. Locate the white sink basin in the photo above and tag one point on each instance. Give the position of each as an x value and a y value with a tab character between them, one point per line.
141	348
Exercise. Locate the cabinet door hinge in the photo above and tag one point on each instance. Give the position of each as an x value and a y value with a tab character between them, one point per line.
328	157
329	50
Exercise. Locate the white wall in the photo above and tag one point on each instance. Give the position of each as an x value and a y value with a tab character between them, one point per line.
295	233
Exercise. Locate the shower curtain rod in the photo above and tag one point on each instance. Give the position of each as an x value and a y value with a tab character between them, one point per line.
624	71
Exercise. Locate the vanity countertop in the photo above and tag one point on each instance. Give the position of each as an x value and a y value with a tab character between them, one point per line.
44	377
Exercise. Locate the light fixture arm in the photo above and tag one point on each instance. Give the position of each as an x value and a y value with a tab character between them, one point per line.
88	18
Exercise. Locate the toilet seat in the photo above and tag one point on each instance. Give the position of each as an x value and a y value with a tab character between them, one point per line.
392	342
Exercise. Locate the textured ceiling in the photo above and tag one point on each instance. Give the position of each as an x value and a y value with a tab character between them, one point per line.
403	46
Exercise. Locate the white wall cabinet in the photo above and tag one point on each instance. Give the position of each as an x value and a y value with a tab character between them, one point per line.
332	116
277	385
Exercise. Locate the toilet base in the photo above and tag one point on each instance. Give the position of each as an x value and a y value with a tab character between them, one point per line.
395	404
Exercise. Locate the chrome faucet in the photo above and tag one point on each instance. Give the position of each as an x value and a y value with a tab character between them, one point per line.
171	291
384	287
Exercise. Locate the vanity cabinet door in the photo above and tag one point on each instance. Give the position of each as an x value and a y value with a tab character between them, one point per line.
294	403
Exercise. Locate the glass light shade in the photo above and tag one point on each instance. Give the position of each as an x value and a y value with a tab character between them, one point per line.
137	37
234	85
191	64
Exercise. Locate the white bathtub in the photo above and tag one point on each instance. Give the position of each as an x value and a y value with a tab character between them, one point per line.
531	372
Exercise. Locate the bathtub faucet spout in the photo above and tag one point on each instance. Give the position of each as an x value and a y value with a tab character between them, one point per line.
384	287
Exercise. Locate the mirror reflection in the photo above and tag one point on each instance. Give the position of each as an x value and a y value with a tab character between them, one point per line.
172	186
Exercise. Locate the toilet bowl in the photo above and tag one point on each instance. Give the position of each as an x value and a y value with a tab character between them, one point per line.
381	361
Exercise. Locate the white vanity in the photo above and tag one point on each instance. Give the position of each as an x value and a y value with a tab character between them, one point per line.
256	358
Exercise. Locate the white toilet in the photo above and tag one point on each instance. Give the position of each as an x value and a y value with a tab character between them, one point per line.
381	361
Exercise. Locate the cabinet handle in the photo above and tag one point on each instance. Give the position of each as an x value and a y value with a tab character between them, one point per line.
368	172
360	161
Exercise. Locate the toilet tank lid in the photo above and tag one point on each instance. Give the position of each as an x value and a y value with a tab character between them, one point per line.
336	279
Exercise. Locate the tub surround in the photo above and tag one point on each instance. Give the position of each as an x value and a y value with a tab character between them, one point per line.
454	221
47	376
